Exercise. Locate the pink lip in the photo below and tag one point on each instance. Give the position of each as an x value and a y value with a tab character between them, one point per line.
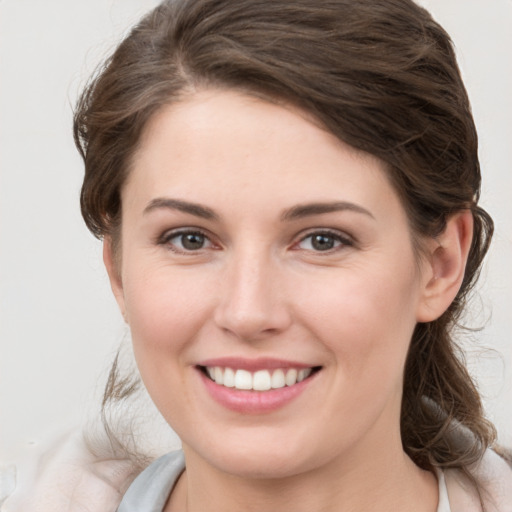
253	365
254	402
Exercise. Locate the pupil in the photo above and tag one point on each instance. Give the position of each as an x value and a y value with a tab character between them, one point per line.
192	241
323	242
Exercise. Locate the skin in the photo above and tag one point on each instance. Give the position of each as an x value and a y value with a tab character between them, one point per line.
259	287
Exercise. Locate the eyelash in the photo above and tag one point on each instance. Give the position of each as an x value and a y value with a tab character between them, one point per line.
339	241
168	236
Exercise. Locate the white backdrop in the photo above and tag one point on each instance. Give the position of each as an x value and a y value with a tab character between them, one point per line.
59	325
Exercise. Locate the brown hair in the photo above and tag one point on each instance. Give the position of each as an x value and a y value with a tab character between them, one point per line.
381	76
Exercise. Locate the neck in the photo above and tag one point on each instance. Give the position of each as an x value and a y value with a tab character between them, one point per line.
384	480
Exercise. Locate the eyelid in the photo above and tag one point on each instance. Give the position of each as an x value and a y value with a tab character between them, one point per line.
165	238
344	239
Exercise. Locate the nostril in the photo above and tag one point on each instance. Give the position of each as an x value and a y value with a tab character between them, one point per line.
250	323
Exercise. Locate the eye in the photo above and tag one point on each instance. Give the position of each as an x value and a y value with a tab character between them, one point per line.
323	241
185	241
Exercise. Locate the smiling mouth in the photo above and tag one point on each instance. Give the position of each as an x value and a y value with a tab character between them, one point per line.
261	380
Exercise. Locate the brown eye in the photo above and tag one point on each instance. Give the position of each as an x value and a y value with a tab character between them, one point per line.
323	241
192	241
186	241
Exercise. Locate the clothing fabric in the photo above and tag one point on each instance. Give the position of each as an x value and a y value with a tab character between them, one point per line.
64	475
68	477
444	502
151	489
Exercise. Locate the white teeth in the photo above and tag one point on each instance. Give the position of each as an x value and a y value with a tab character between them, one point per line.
229	378
262	380
243	379
302	375
291	377
278	379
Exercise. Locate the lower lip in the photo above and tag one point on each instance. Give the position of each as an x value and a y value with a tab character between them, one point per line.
254	402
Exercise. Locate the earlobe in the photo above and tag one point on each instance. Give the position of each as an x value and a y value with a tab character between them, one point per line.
444	272
114	274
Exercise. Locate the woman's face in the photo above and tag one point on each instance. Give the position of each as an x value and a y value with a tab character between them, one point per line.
258	250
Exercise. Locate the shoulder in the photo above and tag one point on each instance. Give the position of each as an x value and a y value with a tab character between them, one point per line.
151	489
67	472
494	477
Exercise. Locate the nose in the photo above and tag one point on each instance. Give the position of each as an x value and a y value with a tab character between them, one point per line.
252	303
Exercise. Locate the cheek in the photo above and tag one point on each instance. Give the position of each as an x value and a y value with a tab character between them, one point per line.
165	314
366	324
365	318
164	310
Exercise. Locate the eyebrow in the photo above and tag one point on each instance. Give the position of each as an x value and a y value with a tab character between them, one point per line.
306	210
183	206
297	212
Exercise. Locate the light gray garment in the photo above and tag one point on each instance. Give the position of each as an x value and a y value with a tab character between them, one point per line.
444	503
150	491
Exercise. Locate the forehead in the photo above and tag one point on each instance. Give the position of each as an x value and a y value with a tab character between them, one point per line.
216	143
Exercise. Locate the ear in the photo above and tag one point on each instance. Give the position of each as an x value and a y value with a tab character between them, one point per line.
445	265
112	265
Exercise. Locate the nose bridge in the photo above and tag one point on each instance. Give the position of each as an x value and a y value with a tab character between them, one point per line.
251	304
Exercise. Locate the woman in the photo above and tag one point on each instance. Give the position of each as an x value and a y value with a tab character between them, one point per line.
288	198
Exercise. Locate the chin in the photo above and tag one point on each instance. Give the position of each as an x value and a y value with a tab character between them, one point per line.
263	468
261	459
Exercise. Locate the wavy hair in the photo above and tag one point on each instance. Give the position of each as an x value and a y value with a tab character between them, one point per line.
380	76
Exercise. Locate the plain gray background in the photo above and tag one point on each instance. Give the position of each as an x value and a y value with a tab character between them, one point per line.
59	325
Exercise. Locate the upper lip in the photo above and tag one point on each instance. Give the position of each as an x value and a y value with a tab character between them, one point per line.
261	363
